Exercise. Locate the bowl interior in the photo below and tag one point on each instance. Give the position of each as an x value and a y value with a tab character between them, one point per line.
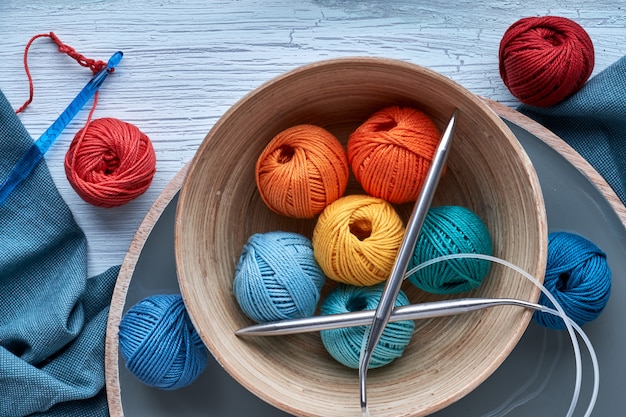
219	208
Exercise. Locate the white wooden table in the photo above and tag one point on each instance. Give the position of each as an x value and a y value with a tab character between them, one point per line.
186	62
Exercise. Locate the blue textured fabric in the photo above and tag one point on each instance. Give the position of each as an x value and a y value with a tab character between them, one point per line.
593	122
52	316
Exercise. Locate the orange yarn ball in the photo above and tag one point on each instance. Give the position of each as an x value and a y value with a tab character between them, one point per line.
391	152
356	240
301	171
110	162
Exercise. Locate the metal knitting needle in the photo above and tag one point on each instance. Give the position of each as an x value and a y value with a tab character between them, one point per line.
414	226
363	318
27	163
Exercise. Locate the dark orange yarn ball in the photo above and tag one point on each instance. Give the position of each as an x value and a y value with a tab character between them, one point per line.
543	60
301	171
391	152
110	162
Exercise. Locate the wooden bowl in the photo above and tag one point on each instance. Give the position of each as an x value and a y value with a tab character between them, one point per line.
219	208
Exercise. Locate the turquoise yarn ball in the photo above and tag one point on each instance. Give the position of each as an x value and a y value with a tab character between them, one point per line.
344	344
277	277
579	278
159	343
451	230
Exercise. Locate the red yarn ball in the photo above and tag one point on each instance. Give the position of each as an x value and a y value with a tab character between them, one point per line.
544	60
110	162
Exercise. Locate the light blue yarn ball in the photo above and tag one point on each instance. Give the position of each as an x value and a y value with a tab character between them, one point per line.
159	343
344	344
578	276
277	277
449	230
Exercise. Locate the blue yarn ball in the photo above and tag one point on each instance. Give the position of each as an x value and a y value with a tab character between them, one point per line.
578	276
277	277
451	230
344	344
159	343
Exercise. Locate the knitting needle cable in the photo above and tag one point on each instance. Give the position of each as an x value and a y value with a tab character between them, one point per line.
392	286
570	325
438	309
29	160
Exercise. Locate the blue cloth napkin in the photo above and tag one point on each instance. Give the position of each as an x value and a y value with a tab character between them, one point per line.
593	122
52	316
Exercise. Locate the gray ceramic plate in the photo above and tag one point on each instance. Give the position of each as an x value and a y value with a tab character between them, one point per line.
538	377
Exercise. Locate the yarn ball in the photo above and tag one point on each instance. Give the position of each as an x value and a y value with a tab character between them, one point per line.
344	344
301	171
159	343
277	277
356	239
579	278
110	162
451	230
391	152
543	60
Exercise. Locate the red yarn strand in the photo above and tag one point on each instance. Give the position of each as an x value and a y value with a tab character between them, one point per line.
94	65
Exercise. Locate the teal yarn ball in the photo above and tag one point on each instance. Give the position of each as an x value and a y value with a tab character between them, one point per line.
579	278
344	344
277	277
451	230
159	343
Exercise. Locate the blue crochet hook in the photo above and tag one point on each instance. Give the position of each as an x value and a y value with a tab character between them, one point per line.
27	163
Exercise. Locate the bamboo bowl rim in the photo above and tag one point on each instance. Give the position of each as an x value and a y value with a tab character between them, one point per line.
219	208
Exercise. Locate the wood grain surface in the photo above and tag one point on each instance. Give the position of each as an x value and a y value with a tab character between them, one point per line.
187	61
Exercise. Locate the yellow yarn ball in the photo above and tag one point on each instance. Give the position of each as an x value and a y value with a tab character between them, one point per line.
356	239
